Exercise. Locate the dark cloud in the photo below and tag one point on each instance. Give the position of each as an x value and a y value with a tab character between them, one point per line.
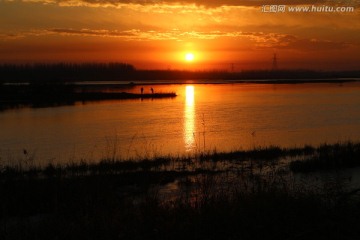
287	41
88	32
260	40
206	3
317	45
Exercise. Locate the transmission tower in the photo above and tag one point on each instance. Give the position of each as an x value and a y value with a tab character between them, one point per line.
274	63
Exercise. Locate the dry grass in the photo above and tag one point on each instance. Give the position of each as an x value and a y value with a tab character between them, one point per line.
238	195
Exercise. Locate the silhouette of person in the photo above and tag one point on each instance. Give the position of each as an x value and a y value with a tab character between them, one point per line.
142	90
152	91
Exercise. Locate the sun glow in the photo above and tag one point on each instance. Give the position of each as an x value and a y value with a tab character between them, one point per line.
189	57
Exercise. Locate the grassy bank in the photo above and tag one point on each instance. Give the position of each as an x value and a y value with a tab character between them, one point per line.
235	195
326	156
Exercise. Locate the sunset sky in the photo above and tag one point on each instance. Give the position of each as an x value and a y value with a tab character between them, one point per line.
158	34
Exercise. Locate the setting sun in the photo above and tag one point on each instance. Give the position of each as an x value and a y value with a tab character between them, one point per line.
189	57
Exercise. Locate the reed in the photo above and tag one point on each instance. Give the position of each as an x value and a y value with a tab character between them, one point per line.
326	156
213	195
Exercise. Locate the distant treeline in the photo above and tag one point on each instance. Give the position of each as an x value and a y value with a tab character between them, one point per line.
73	72
243	75
65	72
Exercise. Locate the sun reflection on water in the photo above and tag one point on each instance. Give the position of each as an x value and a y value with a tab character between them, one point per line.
189	118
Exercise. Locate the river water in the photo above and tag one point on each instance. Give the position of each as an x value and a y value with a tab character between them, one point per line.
202	117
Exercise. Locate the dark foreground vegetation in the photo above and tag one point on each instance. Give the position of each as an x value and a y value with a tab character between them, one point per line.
237	195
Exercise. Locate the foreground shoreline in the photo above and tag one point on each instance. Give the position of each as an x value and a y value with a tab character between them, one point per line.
302	159
234	195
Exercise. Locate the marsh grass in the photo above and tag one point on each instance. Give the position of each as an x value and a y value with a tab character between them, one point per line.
208	195
329	156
